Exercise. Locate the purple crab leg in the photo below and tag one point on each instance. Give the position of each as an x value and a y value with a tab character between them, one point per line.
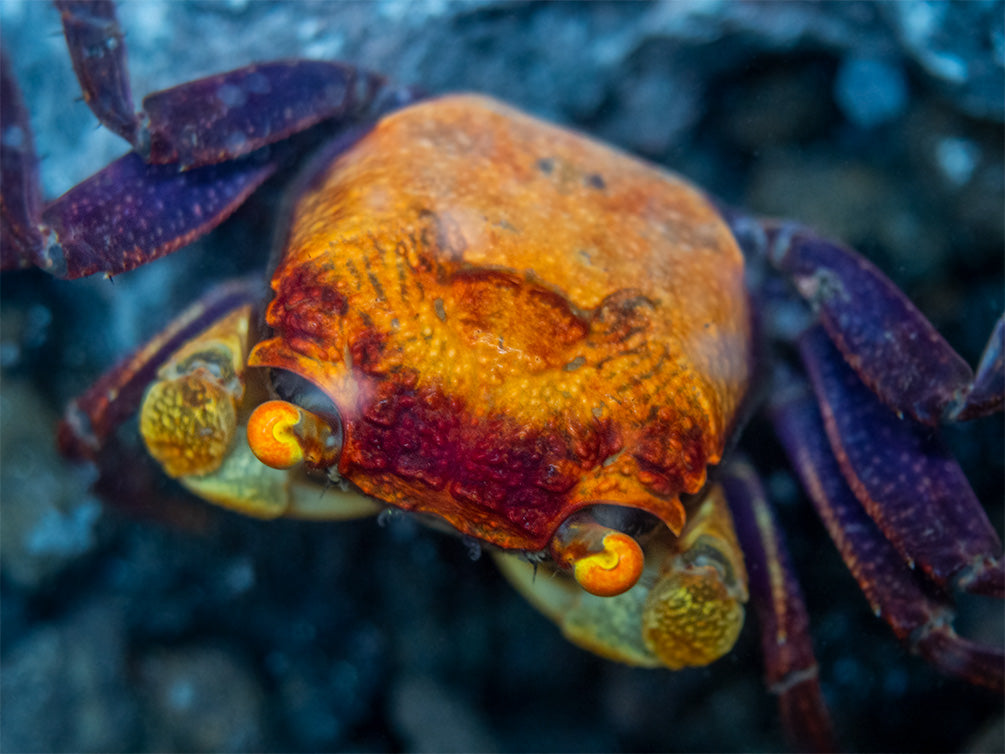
988	393
917	611
231	114
91	418
905	478
20	199
98	54
791	670
131	213
221	117
889	343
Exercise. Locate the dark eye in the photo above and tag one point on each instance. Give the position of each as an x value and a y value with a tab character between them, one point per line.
304	393
631	521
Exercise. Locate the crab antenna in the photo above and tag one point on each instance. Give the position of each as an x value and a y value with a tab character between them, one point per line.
604	561
282	435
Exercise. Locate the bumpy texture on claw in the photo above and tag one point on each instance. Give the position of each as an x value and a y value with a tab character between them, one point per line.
686	610
189	414
695	609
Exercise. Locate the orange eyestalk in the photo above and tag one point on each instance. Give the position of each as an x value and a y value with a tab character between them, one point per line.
604	561
282	435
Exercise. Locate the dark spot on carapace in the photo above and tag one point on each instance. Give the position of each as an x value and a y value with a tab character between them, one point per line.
595	180
303	307
624	312
546	165
367	349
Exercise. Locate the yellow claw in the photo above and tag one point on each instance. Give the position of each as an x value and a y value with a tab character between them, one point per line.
686	609
188	424
189	414
282	435
691	619
604	561
695	610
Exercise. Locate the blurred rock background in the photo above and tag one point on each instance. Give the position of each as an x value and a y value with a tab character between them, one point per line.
878	123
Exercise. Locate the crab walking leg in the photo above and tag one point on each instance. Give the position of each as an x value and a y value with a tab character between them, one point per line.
927	509
122	217
892	347
686	608
919	613
200	149
790	669
217	118
95	41
988	392
20	192
194	423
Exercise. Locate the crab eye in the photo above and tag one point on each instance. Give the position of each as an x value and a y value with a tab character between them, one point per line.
305	429
604	561
293	388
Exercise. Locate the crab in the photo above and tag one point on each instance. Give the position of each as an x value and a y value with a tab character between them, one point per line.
509	363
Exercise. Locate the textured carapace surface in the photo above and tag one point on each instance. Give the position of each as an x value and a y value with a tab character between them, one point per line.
513	321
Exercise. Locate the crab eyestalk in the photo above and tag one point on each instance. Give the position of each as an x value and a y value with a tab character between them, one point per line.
604	561
283	435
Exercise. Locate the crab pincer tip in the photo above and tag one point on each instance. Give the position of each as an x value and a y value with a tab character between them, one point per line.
605	562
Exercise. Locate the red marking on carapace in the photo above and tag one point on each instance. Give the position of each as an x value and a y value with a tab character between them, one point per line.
429	452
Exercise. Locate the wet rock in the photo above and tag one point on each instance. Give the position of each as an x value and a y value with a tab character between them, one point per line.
200	699
961	45
63	686
48	518
430	718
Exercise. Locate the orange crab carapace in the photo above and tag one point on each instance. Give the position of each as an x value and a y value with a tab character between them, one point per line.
516	326
506	316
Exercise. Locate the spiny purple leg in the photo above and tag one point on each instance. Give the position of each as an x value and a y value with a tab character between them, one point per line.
20	197
91	418
988	393
918	612
908	482
231	114
790	667
131	213
890	344
95	42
